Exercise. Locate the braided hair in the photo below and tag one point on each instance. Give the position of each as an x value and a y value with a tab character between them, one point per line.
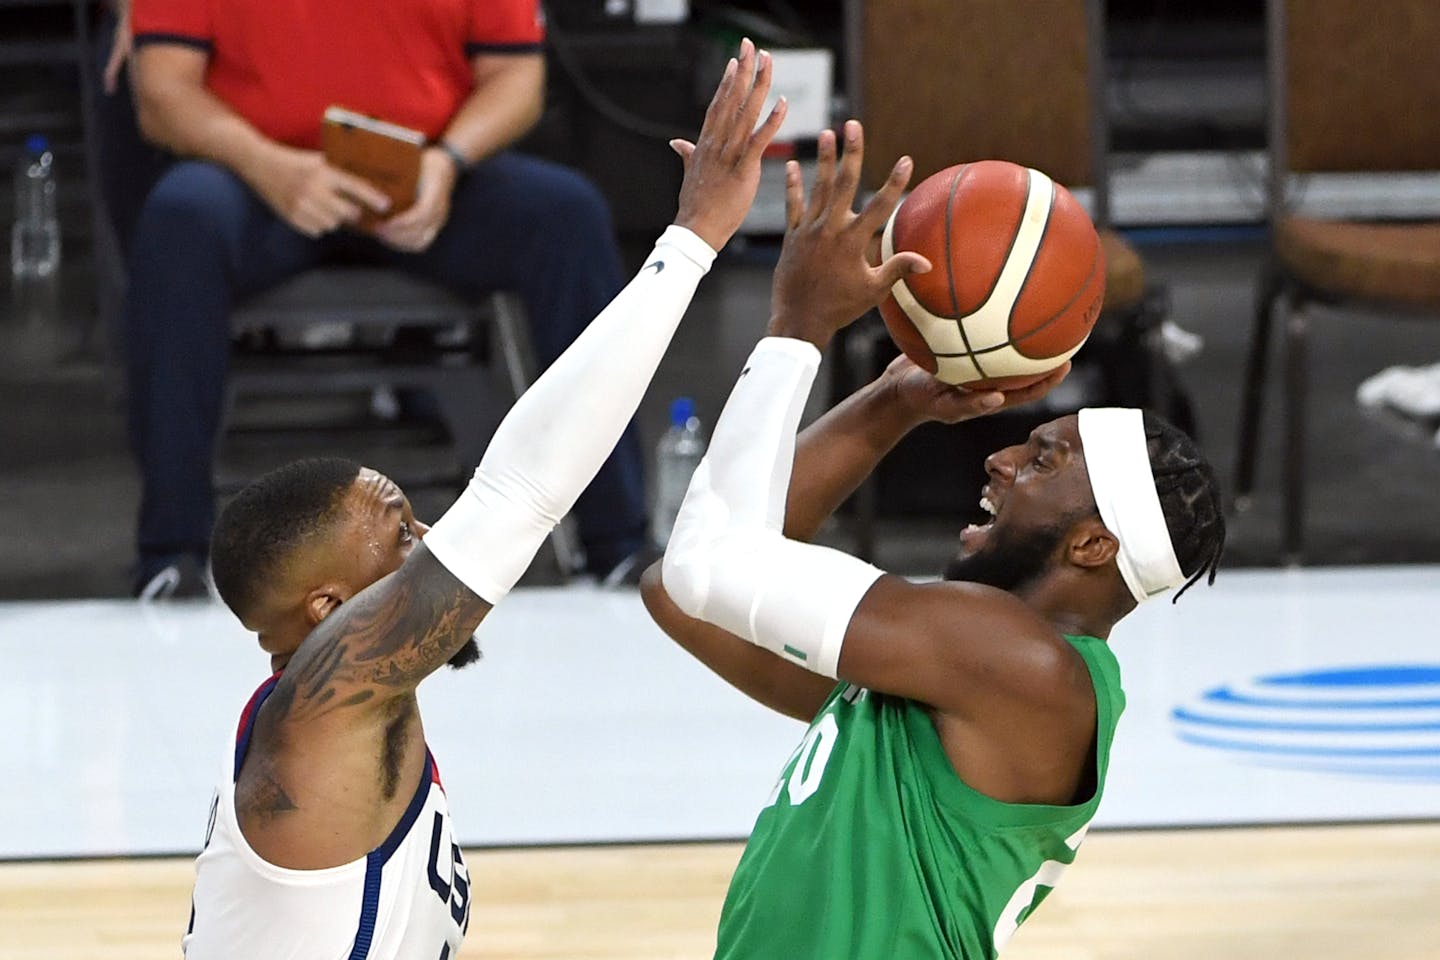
1189	498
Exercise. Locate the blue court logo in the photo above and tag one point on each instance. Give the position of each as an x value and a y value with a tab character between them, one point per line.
1378	722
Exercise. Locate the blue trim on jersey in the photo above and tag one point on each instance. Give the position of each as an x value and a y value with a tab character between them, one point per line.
412	812
369	906
252	710
374	861
377	858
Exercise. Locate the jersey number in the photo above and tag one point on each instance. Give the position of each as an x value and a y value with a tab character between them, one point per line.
809	760
1024	900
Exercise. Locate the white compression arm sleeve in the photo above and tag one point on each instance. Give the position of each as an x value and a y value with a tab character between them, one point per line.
728	562
553	441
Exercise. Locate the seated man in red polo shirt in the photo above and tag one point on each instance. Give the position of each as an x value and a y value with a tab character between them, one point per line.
238	89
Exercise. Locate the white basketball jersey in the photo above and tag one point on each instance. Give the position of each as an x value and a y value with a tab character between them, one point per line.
408	899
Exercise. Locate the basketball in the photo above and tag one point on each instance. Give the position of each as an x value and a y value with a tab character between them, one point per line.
1017	281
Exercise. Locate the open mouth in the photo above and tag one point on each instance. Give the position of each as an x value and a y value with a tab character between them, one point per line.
969	535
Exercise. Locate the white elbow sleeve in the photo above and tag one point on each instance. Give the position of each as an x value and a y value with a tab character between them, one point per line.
728	562
553	441
794	599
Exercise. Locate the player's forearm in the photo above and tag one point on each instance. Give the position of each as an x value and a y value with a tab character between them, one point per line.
835	454
553	441
188	120
507	101
728	562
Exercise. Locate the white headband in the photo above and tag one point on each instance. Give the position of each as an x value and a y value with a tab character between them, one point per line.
1124	487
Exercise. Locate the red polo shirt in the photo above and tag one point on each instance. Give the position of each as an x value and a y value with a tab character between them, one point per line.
280	63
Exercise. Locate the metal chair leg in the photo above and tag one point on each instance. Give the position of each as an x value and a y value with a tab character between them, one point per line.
507	315
99	335
508	320
1253	390
1297	328
471	408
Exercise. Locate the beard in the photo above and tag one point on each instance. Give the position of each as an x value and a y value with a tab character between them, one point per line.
468	653
1009	560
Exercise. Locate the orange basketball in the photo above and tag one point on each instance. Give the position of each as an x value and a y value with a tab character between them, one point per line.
1017	281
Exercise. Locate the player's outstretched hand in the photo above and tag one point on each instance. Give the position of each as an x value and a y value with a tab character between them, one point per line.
924	398
722	167
824	279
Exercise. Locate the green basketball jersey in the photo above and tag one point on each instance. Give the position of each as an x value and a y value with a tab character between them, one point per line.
871	847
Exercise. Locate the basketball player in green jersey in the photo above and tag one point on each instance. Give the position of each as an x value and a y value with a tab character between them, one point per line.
949	776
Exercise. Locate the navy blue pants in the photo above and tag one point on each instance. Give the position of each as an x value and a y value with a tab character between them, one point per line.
204	241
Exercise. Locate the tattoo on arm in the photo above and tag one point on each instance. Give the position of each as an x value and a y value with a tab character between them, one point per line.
391	635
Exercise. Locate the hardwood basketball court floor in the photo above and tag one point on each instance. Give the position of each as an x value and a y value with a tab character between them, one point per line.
1353	892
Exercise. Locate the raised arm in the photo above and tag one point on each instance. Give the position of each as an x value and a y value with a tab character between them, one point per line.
832	457
391	635
835	454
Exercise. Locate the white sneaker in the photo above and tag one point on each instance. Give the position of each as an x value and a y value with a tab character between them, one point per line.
1412	391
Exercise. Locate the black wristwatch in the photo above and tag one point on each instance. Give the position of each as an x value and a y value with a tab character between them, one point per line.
462	165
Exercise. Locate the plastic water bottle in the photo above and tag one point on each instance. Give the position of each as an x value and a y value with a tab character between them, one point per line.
676	456
35	237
